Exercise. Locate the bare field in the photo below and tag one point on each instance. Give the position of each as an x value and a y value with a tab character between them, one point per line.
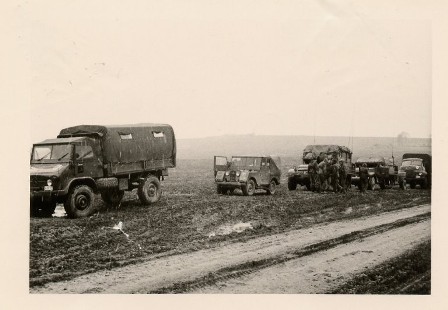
190	217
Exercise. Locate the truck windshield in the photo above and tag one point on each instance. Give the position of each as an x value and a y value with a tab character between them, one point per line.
53	152
246	162
406	163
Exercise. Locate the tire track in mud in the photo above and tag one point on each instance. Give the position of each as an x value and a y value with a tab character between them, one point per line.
177	273
250	267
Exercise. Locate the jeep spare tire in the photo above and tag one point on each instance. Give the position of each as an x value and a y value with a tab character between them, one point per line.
80	202
149	190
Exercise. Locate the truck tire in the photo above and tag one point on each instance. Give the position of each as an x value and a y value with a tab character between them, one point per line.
249	188
412	184
271	189
219	189
371	184
424	184
292	185
402	184
112	197
382	183
149	190
80	202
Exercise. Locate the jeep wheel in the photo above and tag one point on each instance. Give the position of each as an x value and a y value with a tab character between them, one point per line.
80	202
249	188
412	184
113	197
292	185
149	190
271	189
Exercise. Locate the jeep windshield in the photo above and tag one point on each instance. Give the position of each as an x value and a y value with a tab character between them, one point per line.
249	163
52	153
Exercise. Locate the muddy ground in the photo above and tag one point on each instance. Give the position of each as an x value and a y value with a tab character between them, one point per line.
191	217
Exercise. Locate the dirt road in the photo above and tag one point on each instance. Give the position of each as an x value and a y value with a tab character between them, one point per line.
299	261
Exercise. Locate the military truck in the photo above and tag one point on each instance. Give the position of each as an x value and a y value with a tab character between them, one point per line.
247	173
416	169
299	175
380	172
91	159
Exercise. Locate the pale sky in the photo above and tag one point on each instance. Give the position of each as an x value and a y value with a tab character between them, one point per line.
235	67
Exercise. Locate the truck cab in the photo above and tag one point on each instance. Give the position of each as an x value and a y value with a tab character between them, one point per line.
417	169
55	164
247	173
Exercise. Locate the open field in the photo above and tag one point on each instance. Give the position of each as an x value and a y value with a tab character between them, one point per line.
191	217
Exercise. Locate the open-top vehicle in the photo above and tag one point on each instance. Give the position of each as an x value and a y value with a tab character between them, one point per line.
299	175
380	172
247	173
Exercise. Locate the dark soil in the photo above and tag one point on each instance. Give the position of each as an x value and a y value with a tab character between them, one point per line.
409	273
182	220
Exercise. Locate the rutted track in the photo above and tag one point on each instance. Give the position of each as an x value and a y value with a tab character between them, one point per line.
179	273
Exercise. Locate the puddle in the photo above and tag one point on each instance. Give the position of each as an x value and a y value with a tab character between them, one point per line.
228	229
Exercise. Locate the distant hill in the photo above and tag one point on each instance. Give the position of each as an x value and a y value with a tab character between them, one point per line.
292	146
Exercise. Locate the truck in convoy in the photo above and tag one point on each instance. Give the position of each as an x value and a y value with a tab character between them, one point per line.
299	175
91	159
380	172
416	170
247	173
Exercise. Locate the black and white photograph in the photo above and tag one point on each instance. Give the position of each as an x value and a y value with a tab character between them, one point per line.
229	148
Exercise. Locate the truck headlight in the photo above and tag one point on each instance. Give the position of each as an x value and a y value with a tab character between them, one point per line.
49	182
237	173
227	172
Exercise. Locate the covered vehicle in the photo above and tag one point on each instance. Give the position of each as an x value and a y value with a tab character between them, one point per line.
380	172
416	169
299	175
89	159
247	173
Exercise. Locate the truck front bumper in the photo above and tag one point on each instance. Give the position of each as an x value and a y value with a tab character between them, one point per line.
47	195
229	184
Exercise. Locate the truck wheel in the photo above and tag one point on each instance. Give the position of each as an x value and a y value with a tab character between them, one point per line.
80	202
249	188
292	185
382	183
112	197
371	184
218	189
412	184
271	189
402	184
424	184
149	190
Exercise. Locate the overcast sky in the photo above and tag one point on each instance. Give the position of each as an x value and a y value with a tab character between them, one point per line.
271	67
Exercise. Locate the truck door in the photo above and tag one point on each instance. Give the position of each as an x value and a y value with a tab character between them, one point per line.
219	164
87	160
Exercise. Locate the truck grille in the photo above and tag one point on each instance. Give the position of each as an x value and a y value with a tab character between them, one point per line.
37	182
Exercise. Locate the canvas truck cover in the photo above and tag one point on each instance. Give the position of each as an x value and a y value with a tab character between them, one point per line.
154	144
324	148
